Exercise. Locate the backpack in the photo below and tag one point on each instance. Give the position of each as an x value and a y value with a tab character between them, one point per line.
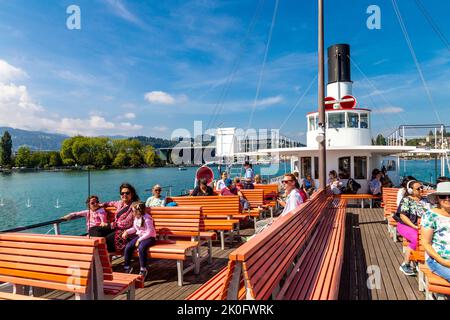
352	187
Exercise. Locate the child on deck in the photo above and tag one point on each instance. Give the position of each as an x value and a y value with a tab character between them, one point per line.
143	236
96	217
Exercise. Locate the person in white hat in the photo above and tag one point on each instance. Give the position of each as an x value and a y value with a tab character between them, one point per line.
436	232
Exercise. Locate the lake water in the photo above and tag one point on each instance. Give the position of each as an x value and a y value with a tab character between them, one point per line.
43	189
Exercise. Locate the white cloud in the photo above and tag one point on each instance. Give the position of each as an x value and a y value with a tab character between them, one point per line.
270	101
9	73
388	110
130	115
19	110
119	8
160	129
159	97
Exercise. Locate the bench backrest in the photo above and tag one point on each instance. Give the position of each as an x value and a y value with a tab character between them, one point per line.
177	221
265	259
212	206
254	196
270	190
47	261
390	200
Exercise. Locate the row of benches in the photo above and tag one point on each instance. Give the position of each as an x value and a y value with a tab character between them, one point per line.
26	260
299	257
432	284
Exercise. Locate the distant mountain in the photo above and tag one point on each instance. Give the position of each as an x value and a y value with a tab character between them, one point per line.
43	141
35	140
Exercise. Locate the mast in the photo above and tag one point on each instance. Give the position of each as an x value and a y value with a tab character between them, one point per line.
320	101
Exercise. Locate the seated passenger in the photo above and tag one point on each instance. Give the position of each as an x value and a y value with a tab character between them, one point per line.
97	223
221	183
411	208
142	235
334	182
156	200
308	185
402	191
375	183
436	232
386	181
231	190
203	189
237	183
293	197
258	179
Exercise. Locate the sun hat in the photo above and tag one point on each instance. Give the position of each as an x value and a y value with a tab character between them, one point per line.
443	188
228	182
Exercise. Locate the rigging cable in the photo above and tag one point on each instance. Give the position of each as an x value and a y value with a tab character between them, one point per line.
416	61
433	24
236	64
275	11
298	102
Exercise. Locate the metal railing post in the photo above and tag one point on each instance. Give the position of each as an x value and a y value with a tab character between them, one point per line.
57	228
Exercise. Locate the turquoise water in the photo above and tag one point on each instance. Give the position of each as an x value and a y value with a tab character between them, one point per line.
421	169
42	190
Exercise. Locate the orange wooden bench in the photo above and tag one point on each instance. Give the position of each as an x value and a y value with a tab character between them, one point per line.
172	222
267	258
271	192
67	263
219	213
255	269
358	196
317	273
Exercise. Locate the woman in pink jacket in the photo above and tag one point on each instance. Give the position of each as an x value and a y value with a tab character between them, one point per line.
123	218
141	235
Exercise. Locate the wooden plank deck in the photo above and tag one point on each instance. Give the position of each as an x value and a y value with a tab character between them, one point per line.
368	247
161	282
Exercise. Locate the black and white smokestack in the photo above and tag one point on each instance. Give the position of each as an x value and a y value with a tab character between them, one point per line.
339	63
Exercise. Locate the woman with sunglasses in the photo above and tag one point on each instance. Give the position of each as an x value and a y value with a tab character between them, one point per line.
436	232
156	200
96	218
123	218
409	211
293	197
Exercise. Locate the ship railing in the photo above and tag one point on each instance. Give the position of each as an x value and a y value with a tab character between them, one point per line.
55	226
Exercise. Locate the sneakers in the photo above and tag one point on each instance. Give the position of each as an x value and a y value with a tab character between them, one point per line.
143	273
127	269
407	270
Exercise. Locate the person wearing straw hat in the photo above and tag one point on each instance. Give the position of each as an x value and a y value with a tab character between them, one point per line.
436	232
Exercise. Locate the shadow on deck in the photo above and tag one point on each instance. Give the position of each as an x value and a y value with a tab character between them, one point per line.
370	251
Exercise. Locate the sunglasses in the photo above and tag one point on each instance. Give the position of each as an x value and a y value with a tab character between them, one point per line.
286	181
444	196
93	202
125	193
157	190
419	188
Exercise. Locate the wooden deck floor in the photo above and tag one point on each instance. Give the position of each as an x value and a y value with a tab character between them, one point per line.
368	248
367	244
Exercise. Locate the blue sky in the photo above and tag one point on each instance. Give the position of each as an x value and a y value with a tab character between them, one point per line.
150	67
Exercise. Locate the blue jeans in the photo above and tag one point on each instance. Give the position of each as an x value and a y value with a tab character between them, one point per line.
143	249
438	269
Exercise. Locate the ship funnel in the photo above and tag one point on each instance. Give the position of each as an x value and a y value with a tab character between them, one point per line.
339	76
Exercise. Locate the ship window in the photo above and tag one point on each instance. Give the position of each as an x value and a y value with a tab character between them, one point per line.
344	168
352	120
360	167
312	123
305	167
364	119
336	120
316	167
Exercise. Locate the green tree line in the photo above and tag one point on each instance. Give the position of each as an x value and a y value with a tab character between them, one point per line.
97	152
